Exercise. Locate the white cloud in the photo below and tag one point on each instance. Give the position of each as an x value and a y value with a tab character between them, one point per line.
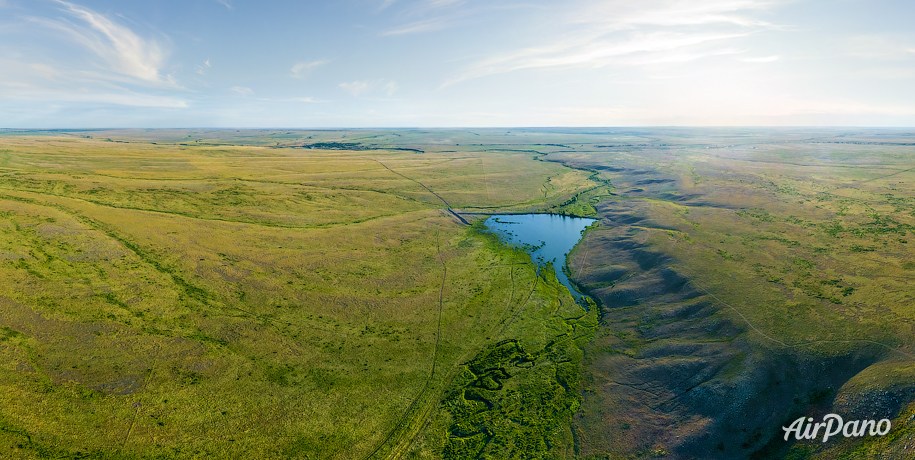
306	100
242	91
304	68
761	59
601	33
421	26
227	4
428	16
432	5
204	67
41	87
118	46
624	14
360	87
356	88
640	49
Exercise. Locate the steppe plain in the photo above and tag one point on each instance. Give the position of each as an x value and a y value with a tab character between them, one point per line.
334	294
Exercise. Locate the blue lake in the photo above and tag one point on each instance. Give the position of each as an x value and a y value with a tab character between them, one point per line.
548	238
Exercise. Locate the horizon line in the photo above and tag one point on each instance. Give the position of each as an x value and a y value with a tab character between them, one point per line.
334	128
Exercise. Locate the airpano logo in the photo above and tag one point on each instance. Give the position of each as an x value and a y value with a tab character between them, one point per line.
833	425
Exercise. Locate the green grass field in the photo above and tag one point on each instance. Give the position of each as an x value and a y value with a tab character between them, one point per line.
174	301
311	294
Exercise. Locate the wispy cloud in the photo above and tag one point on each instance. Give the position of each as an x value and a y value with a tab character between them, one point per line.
304	68
123	50
432	4
242	91
227	4
624	15
421	26
427	16
639	49
204	67
761	59
356	88
105	64
360	87
21	81
617	32
417	8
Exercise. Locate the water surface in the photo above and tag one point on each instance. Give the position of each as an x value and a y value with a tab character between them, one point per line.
548	238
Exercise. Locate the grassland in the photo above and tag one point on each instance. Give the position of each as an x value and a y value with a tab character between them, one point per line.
749	277
224	301
222	293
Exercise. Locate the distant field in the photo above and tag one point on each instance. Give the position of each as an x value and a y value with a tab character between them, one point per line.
314	294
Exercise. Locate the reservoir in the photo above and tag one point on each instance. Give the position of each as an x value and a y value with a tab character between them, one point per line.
548	238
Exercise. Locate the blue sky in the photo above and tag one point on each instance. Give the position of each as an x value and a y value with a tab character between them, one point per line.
392	63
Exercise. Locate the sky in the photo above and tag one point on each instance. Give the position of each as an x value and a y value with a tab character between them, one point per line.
455	63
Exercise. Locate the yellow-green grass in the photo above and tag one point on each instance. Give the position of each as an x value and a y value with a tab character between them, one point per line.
168	301
285	301
821	262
